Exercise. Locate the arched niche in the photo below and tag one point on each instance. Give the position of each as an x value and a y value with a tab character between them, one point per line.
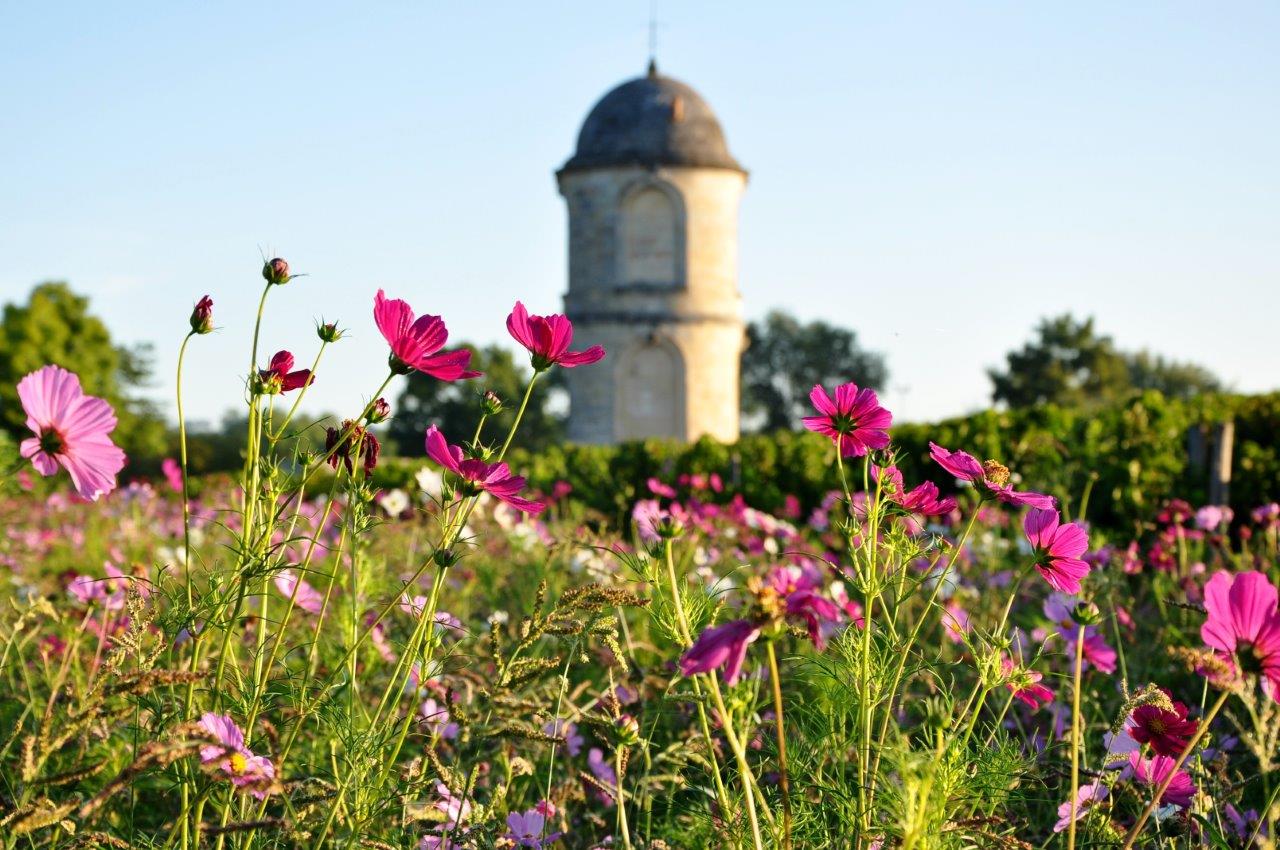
651	235
650	387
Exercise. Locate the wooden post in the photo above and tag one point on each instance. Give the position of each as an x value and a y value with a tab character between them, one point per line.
1222	444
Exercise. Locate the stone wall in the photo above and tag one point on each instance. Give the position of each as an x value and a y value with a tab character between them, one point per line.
674	349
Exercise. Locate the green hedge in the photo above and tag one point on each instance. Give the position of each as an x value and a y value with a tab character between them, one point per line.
1135	453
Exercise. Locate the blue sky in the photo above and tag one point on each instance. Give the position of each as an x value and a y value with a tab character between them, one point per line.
936	175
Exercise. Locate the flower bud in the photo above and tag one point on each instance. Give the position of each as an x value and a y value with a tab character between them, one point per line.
491	403
445	558
1086	614
276	271
379	412
668	527
328	331
202	316
628	730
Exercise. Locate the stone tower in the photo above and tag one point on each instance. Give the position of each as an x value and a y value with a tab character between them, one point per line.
653	194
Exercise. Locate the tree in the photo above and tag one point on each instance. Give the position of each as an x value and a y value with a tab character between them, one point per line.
55	326
785	358
1149	371
456	407
1069	363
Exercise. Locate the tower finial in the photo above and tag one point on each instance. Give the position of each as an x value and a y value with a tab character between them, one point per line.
653	38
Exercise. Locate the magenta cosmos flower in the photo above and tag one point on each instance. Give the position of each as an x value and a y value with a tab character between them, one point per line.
721	646
548	339
1153	771
1243	625
492	478
854	419
280	377
991	477
72	429
921	499
1058	549
416	343
1025	684
233	758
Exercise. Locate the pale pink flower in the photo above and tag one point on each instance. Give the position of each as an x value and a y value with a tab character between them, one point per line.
72	429
308	598
246	770
530	829
1086	797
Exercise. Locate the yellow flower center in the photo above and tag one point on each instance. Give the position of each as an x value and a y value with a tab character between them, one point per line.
237	764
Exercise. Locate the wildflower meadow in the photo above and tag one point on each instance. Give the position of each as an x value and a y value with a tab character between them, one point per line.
307	654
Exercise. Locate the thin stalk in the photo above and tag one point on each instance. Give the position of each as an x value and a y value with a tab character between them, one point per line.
622	800
780	728
1075	739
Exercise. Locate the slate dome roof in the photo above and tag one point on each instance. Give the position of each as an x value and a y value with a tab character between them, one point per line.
649	121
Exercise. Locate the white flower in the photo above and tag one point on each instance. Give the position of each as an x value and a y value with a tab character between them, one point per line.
430	482
499	618
394	502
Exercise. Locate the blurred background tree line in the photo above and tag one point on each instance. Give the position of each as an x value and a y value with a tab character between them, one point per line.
1066	363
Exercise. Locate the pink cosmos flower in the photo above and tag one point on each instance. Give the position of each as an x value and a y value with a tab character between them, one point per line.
493	478
1243	625
172	473
72	429
548	339
720	646
416	344
1057	548
530	829
1153	771
307	597
437	718
800	594
1086	797
246	770
1025	684
280	377
854	420
990	477
922	499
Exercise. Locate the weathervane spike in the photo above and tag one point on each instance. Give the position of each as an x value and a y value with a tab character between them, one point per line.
653	38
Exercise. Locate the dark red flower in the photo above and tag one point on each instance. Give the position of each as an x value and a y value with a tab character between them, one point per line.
279	377
1168	732
351	443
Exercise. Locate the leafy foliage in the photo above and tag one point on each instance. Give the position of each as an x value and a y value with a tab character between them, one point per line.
1070	364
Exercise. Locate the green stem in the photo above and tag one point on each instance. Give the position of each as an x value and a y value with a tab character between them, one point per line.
1075	739
780	728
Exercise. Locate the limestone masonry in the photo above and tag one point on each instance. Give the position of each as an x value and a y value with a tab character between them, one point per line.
653	194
